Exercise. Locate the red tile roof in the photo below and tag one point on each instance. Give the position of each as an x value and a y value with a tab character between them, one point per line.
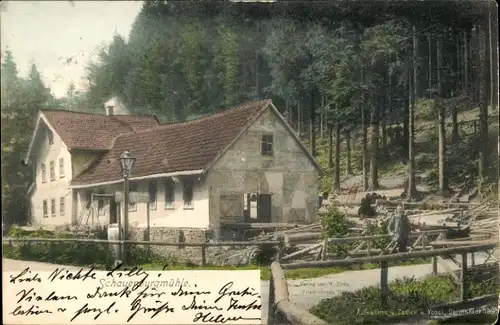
94	131
185	146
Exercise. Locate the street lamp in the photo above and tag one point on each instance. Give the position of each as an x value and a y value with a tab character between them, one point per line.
126	163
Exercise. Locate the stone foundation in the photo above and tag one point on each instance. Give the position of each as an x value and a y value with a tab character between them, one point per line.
219	255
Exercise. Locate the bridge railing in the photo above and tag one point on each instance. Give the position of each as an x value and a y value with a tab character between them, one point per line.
283	311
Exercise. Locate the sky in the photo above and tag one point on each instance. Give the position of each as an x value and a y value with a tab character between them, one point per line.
47	33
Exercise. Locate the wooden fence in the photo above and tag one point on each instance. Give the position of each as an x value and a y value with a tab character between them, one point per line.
364	245
121	243
284	311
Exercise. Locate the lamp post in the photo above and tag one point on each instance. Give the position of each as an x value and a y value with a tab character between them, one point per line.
126	163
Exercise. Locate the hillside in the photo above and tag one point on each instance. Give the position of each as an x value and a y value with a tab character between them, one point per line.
393	170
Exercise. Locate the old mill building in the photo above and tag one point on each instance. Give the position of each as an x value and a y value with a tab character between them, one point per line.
241	165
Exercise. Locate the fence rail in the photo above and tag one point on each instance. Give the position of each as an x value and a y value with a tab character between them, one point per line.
145	243
122	243
282	310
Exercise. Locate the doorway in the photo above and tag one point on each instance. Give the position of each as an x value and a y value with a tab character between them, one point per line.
113	211
264	208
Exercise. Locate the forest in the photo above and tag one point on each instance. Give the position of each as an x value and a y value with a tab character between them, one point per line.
358	81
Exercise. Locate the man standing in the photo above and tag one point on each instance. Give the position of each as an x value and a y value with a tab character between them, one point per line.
399	227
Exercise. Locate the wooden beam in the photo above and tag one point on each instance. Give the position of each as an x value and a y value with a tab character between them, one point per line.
297	238
136	242
393	257
434	265
292	312
464	287
461	243
384	287
301	252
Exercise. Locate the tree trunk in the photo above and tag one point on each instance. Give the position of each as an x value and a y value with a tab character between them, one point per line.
454	124
364	140
365	150
348	153
477	65
336	176
443	180
412	188
257	75
330	146
458	63
406	115
429	66
493	25
312	123
485	60
374	145
456	88
465	44
299	116
483	100
385	116
322	118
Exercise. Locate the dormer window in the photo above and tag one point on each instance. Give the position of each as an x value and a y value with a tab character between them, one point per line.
50	136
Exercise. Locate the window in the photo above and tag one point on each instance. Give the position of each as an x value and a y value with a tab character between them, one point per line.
44	173
169	193
62	206
132	206
61	167
267	145
152	189
52	171
53	208
188	193
50	135
45	209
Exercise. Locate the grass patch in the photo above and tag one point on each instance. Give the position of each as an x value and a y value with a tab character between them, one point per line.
407	297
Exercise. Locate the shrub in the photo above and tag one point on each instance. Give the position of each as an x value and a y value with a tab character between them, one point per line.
335	224
68	253
406	297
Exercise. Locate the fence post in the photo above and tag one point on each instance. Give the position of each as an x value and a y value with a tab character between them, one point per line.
464	288
270	308
281	248
434	265
325	248
203	255
384	289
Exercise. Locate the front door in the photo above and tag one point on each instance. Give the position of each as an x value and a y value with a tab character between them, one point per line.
264	208
113	212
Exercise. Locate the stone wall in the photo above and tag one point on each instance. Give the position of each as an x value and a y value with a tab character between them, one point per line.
185	254
289	175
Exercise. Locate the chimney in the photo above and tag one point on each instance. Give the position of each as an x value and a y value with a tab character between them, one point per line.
109	110
110	106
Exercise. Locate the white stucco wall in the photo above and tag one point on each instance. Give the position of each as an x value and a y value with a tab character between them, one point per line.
175	216
51	189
